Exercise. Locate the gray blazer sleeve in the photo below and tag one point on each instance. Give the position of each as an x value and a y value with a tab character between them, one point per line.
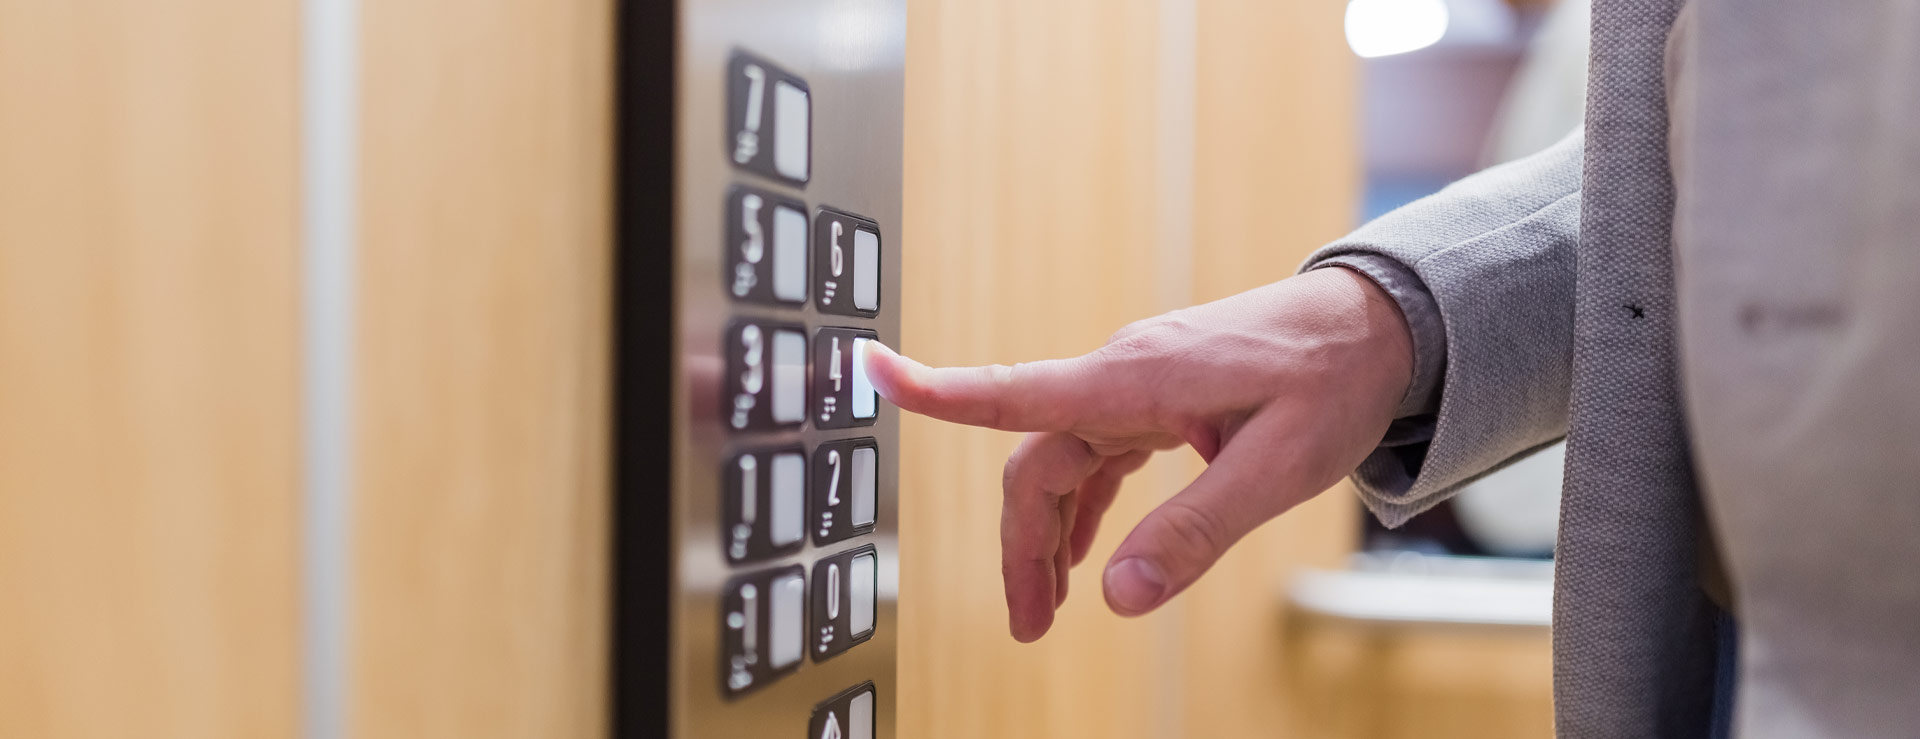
1493	255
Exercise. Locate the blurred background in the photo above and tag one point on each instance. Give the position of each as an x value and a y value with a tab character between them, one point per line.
1071	166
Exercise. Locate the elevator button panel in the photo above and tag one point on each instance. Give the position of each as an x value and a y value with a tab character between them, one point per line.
769	120
763	624
845	483
757	470
844	589
765	503
846	263
766	249
766	376
848	715
843	394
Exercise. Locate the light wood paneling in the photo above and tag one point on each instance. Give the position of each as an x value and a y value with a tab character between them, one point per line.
1029	233
480	510
1050	199
1275	176
1034	193
1427	682
148	369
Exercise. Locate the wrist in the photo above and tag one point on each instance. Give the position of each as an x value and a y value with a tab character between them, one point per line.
1387	356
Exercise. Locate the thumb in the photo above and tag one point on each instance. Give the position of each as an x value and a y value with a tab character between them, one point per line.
1180	540
1049	395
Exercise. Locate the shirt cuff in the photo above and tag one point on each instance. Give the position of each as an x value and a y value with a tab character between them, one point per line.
1422	314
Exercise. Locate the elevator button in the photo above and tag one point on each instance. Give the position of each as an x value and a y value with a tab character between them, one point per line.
863	395
764	503
848	715
866	270
786	627
766	254
789	377
760	627
843	396
846	263
792	117
861	581
860	716
765	377
790	254
786	525
769	119
845	481
844	587
865	480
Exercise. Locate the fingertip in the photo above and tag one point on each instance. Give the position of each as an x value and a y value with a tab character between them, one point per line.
1028	625
889	371
1029	600
1134	586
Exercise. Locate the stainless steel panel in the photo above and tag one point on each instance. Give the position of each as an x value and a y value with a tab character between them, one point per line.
850	52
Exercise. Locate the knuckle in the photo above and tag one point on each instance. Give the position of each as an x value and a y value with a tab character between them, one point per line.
1146	341
1193	536
1003	379
1133	329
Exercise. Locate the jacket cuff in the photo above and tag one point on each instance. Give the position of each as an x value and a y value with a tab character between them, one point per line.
1422	314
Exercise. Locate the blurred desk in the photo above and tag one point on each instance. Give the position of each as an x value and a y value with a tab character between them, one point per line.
1418	646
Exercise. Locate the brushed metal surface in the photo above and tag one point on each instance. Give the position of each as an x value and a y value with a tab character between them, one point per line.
851	54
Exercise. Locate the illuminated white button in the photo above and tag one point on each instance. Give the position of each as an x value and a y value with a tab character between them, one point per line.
866	270
787	520
863	396
789	254
861	578
863	485
790	120
790	377
860	716
784	628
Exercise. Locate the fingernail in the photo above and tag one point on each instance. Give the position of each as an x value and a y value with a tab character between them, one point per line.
1134	585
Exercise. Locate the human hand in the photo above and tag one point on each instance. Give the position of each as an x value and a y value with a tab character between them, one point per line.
1282	390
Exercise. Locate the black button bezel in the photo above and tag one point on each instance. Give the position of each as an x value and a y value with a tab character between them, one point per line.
738	91
828	298
831	524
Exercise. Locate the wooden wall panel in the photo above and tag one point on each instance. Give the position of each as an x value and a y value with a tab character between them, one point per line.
1276	175
481	424
149	330
1029	233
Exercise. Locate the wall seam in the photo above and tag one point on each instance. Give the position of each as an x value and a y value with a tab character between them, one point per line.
1174	131
328	168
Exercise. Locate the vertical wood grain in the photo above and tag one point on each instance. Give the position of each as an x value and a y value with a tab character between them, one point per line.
480	510
148	369
1275	176
1028	234
1036	173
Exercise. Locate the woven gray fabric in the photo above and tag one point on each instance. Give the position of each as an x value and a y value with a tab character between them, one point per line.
1554	280
1797	242
1784	260
1633	634
1496	253
1553	277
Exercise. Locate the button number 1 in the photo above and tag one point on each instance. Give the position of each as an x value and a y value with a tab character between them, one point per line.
747	143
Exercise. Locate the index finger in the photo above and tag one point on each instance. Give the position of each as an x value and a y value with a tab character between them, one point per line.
1048	395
